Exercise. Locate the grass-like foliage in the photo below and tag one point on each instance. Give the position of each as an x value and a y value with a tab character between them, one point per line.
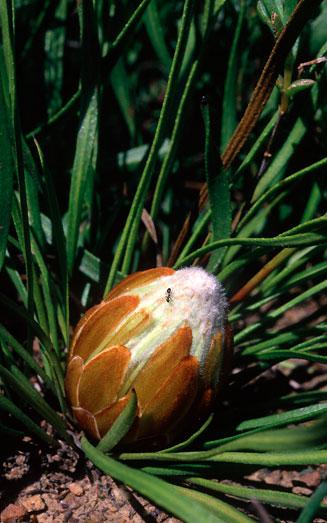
168	133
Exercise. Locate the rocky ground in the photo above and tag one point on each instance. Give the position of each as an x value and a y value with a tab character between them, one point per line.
42	486
62	487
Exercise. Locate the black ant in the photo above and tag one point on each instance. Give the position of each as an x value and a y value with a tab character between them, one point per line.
168	295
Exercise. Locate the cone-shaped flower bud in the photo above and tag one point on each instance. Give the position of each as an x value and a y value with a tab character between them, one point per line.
165	334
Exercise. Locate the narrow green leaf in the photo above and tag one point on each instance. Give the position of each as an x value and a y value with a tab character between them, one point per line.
199	229
39	303
229	113
312	203
278	339
273	459
280	355
58	237
296	240
22	386
299	258
82	161
36	27
59	114
192	438
25	420
299	85
25	355
6	171
178	469
133	158
33	190
254	228
56	383
221	511
92	267
218	189
259	143
305	436
288	8
313	505
208	10
83	166
179	457
11	433
299	437
54	48
116	48
17	282
274	497
49	295
121	88
278	166
121	426
164	119
292	416
314	225
155	31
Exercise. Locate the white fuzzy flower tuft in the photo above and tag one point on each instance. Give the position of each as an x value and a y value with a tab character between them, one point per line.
188	297
201	299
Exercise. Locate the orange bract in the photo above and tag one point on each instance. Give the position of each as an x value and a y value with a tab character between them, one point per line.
160	365
171	401
96	328
102	377
137	280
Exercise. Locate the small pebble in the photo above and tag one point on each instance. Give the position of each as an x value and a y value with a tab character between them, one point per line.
34	503
302	491
76	489
13	514
311	479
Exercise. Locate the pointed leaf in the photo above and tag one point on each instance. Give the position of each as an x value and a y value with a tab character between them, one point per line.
218	189
299	85
121	426
313	505
6	172
10	407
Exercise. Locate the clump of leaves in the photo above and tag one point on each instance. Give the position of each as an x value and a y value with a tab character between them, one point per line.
130	139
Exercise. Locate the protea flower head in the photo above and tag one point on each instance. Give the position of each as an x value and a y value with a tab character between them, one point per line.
161	332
